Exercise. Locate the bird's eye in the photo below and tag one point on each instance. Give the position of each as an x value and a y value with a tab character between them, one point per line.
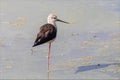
53	17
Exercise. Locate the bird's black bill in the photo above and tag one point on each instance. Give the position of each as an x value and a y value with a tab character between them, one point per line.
62	21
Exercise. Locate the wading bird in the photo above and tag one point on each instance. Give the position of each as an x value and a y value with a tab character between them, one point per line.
47	33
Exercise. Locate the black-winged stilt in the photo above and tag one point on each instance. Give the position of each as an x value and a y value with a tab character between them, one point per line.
48	34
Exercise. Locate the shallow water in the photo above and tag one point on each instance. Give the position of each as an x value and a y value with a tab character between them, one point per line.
93	38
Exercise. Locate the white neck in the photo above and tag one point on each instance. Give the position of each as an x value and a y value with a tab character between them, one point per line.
52	22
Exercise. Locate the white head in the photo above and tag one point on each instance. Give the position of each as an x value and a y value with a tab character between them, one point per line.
53	18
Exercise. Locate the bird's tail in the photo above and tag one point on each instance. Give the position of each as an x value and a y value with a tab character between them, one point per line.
35	44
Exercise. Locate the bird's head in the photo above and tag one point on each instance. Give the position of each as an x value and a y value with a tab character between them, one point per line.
52	18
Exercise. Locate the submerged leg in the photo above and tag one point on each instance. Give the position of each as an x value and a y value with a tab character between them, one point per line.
49	61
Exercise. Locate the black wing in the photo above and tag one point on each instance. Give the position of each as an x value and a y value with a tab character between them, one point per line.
47	32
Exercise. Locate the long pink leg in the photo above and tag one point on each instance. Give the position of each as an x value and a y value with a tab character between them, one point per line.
49	61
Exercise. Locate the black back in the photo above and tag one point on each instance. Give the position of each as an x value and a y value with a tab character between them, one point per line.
47	32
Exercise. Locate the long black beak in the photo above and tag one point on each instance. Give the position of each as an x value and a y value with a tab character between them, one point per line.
62	21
